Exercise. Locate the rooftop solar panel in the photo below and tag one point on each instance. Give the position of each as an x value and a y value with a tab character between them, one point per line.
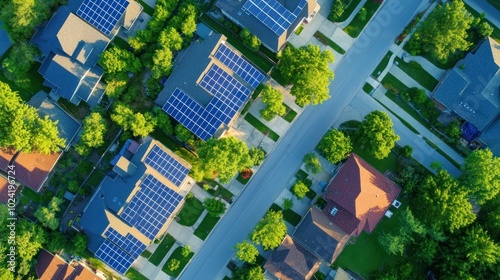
129	243
239	65
166	165
114	257
102	14
151	206
272	14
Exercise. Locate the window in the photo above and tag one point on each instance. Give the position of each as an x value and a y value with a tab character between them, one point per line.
334	211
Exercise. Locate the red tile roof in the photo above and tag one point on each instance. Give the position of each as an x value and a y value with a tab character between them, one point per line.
361	195
5	157
32	169
50	267
4	191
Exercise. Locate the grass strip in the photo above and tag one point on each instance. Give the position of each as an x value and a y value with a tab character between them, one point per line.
418	73
328	42
382	65
206	226
133	274
177	254
348	10
261	127
290	114
445	155
162	249
367	88
359	22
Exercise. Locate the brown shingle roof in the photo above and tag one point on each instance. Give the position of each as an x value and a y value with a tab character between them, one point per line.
361	195
5	158
32	169
291	261
4	191
50	267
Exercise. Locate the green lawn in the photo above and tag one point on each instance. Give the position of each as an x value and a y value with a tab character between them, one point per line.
191	211
261	127
382	165
288	215
328	42
32	195
394	82
438	63
257	91
133	274
367	88
445	155
366	255
418	73
160	252
176	254
260	61
206	226
220	192
301	175
357	24
348	10
290	114
405	106
276	75
382	65
242	180
146	254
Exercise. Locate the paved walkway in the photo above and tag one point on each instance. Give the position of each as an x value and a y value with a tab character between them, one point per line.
482	6
406	79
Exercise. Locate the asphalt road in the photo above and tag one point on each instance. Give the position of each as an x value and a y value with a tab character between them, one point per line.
281	164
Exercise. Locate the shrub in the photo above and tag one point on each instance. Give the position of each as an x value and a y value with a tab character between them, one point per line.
300	189
173	264
287	203
245	174
186	250
73	186
336	11
406	151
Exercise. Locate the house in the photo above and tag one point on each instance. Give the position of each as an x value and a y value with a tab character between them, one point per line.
272	21
135	203
208	87
33	169
470	92
320	236
71	43
358	196
53	267
291	261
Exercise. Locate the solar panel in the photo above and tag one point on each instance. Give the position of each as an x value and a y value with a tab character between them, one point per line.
102	14
128	243
272	14
113	256
239	65
166	165
151	206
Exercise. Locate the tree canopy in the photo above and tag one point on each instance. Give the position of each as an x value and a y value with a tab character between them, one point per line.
95	128
252	41
18	62
312	163
249	273
335	146
481	175
223	157
47	215
257	156
163	121
22	128
246	251
376	134
300	189
215	207
307	69
183	134
444	31
115	60
274	103
270	231
139	124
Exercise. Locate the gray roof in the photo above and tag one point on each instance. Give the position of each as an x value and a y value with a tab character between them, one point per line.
471	88
491	137
233	9
188	67
320	236
67	126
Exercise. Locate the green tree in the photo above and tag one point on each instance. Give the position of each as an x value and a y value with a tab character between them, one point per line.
162	63
481	175
95	128
406	151
139	124
29	240
307	69
312	163
257	156
170	38
18	62
274	103
249	273
57	242
444	31
47	215
287	203
416	95
250	40
376	135
115	60
80	242
392	244
116	85
223	157
336	11
335	146
173	264
163	120
186	250
270	230
300	189
73	186
362	14
214	206
246	251
183	134
447	206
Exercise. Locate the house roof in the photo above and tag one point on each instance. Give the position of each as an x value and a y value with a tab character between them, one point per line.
233	9
491	136
50	267
291	261
361	195
4	190
471	88
67	126
320	236
5	157
32	169
131	14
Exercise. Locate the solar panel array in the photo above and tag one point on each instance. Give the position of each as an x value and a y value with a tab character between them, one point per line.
166	165
151	206
114	256
102	14
239	65
129	243
272	14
